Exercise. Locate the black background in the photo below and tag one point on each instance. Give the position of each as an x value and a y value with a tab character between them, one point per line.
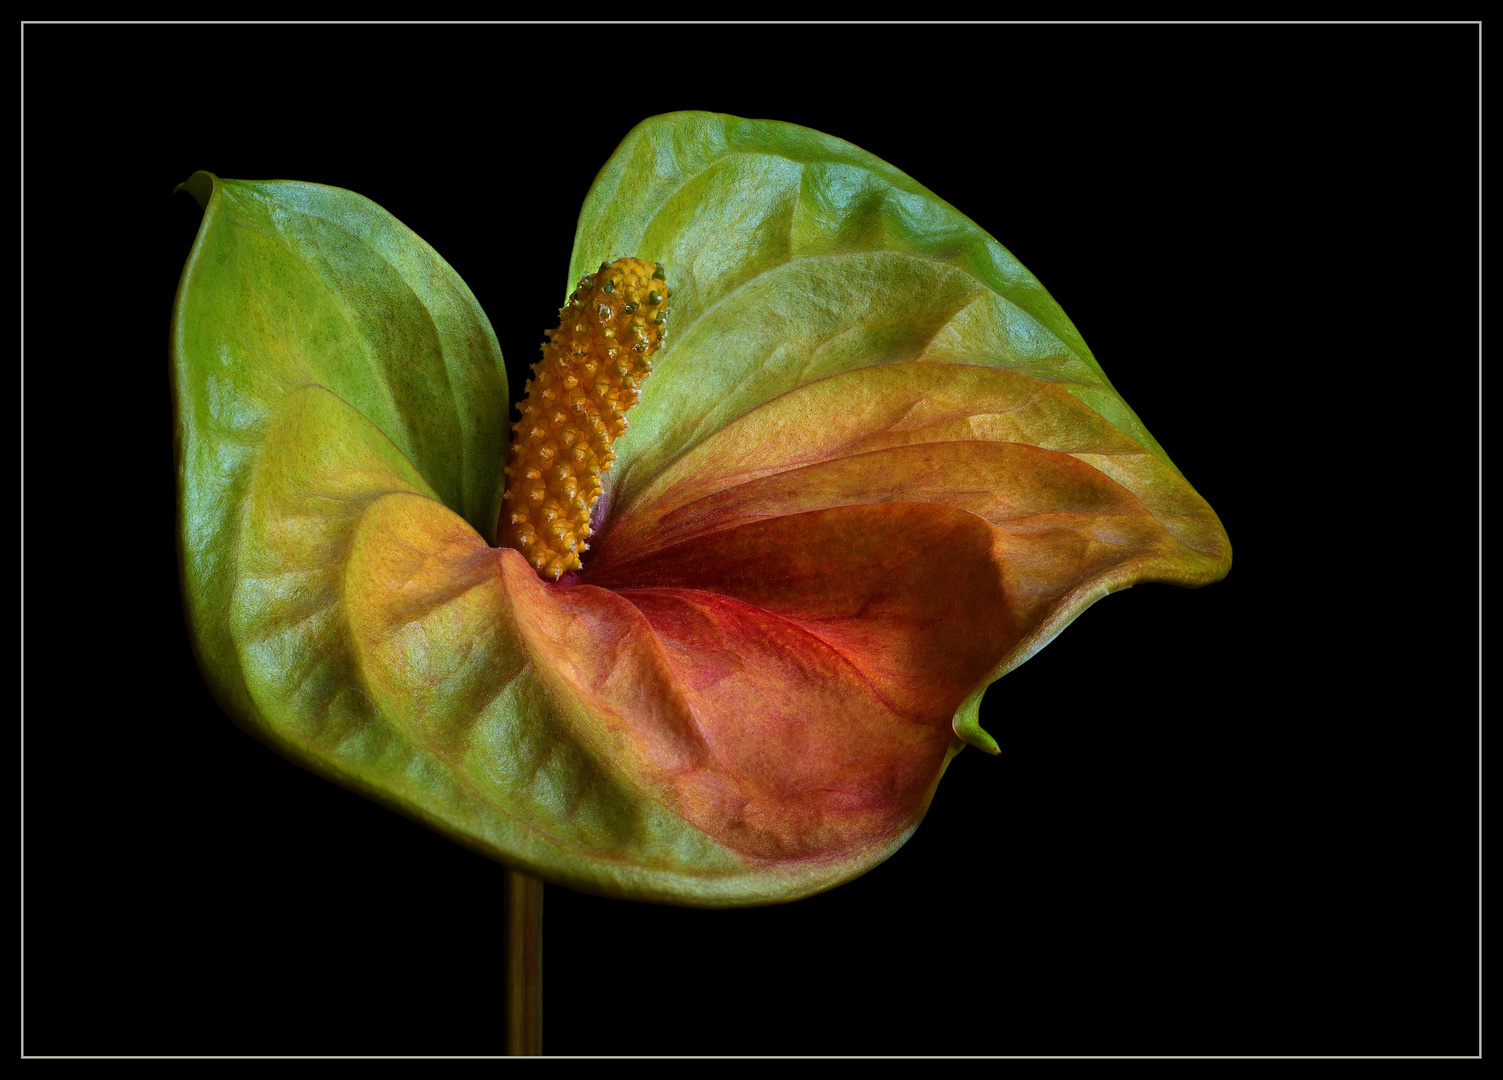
1240	820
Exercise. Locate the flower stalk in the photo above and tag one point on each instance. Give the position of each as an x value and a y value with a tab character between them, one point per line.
524	965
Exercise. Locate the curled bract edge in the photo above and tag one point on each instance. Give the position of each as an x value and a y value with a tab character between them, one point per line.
875	469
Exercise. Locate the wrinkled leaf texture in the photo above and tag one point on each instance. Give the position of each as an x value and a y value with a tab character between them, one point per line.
875	470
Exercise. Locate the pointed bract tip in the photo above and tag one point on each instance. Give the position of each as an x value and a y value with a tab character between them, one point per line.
201	186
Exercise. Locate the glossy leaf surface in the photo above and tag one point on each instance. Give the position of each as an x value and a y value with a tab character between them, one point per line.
875	469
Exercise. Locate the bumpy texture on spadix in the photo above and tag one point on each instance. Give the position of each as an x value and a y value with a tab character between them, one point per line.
577	399
877	469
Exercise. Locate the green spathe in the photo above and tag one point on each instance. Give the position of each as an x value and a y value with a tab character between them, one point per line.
710	715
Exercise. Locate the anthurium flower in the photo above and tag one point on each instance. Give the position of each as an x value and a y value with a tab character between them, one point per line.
874	469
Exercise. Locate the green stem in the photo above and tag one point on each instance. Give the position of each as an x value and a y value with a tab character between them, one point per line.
524	964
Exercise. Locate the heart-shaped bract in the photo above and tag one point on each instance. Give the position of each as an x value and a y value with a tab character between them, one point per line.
875	469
